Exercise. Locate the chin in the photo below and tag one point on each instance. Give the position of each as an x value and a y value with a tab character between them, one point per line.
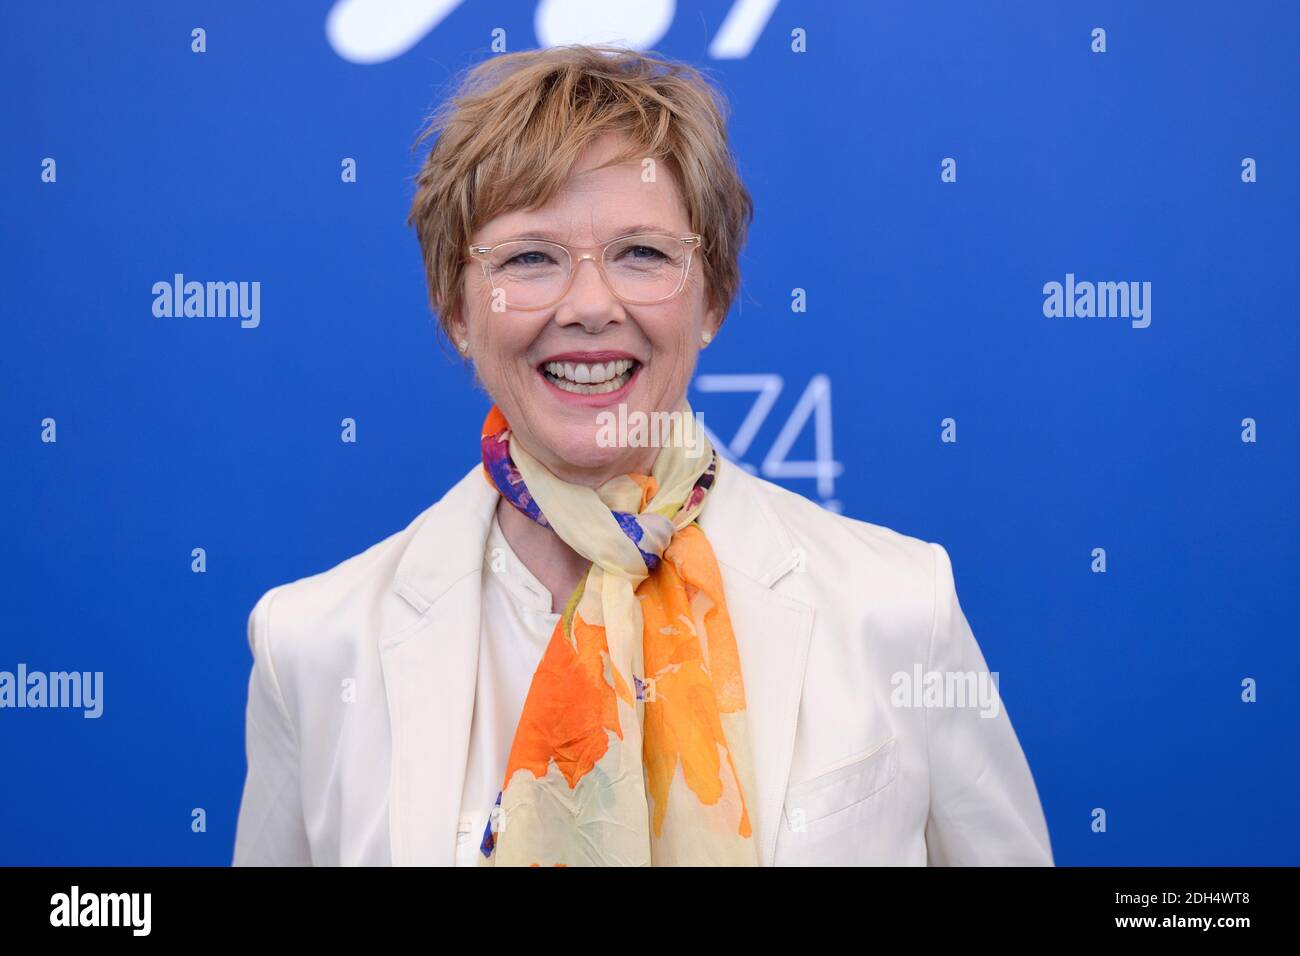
585	454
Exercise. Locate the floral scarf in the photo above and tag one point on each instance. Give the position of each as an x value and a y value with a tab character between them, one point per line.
631	749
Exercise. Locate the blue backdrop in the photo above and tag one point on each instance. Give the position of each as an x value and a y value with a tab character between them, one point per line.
1170	159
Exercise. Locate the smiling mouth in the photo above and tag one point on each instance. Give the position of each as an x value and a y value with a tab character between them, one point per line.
582	378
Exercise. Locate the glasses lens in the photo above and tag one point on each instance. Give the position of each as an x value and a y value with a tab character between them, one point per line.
534	273
529	272
646	268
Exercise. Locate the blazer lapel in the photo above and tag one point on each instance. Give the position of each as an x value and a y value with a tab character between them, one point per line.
773	633
430	668
430	665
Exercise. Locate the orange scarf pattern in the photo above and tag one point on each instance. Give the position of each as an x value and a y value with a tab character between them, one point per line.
631	749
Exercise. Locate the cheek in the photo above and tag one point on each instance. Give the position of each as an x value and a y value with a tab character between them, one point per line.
674	339
510	370
499	341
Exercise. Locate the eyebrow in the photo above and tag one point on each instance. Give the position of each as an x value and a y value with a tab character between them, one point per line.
553	235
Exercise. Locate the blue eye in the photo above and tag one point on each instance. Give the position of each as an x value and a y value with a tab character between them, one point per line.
643	252
532	258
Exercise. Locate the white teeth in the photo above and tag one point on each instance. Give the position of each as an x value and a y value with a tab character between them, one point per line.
584	379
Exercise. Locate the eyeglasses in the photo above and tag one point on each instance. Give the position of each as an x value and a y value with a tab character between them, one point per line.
640	269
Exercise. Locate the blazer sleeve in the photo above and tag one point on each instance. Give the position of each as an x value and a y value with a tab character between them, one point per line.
270	829
984	807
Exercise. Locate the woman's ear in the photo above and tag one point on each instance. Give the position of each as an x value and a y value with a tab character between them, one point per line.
458	333
709	328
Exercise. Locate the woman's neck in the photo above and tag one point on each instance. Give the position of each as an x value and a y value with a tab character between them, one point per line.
542	552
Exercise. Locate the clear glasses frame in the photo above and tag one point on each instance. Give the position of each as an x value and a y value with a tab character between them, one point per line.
597	255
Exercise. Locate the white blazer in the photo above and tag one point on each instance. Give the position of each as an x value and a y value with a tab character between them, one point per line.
362	692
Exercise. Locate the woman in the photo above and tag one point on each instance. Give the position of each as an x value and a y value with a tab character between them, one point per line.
595	650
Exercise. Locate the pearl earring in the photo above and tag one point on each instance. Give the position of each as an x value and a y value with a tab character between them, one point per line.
706	336
463	346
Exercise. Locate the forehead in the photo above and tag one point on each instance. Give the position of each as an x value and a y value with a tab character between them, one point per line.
597	202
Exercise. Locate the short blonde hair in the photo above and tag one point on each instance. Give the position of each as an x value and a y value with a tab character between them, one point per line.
512	132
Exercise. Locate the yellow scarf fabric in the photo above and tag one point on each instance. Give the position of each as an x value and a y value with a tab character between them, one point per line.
632	748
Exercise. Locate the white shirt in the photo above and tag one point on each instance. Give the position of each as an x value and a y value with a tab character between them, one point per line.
516	626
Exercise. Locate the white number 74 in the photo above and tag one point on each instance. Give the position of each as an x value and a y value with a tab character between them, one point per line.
815	402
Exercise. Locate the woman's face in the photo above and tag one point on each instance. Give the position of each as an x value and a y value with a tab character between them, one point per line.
511	348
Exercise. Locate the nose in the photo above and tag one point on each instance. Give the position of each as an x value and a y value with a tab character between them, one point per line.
589	301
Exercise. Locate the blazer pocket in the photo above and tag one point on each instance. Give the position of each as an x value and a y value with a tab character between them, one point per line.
844	793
